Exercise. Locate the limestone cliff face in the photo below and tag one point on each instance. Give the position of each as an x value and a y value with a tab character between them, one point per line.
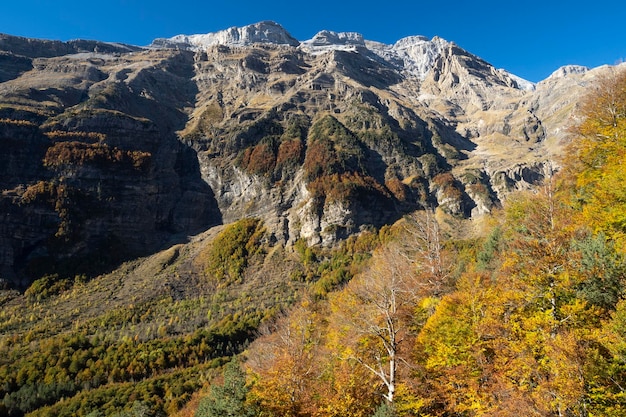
110	151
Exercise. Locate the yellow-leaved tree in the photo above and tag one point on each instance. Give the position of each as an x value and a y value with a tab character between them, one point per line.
285	365
596	157
374	317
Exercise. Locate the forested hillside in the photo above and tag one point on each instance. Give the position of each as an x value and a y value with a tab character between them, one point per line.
528	319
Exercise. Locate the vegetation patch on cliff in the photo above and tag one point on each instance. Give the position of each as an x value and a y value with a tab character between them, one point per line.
99	155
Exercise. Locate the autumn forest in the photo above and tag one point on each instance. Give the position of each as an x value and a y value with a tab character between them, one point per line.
527	320
520	313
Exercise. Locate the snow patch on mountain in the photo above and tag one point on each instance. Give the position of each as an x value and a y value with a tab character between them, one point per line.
414	55
522	83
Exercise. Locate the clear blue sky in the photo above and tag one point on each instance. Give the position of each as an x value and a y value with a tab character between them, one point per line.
531	38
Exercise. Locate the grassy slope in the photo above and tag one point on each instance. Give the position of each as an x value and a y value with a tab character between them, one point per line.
164	302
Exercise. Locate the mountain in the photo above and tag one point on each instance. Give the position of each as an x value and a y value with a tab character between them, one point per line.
112	151
262	32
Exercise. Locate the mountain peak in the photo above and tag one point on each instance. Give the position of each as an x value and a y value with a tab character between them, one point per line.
419	53
413	55
328	37
328	40
262	32
567	70
410	41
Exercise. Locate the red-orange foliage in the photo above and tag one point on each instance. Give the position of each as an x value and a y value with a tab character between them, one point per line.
319	160
479	189
58	196
397	188
79	153
289	153
339	187
447	183
259	159
267	158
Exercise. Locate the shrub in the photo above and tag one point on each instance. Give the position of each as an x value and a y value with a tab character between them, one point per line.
290	154
227	257
448	185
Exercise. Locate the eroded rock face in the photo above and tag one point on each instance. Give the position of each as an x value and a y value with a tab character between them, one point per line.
92	170
401	133
110	151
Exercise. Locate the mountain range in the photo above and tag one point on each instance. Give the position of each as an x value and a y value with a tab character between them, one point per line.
112	151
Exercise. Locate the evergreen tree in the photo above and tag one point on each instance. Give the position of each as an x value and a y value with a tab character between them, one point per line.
384	410
228	399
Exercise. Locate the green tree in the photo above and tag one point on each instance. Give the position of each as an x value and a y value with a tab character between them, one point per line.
227	399
384	410
228	256
602	271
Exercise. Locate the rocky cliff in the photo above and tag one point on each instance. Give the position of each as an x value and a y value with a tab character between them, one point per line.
110	151
92	170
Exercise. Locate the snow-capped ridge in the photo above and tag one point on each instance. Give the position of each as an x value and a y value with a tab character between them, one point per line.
327	37
413	54
522	83
410	41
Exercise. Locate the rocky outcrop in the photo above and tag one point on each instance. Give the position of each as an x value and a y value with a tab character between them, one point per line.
266	32
40	48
